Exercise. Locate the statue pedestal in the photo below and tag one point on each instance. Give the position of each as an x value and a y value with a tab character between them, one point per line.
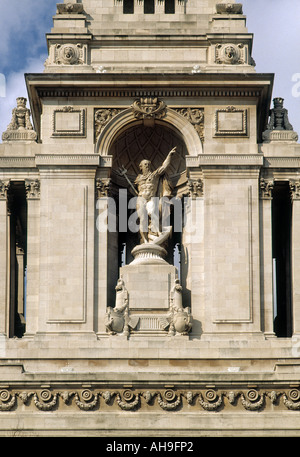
149	299
149	285
149	254
149	288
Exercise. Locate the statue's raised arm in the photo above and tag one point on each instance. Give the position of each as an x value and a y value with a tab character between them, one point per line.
166	162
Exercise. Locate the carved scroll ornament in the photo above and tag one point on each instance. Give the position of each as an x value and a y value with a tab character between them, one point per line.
196	117
102	117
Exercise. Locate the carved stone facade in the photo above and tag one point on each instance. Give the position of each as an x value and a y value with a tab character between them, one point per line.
150	232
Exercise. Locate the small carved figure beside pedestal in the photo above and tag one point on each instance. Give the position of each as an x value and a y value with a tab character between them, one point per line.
20	127
179	319
117	318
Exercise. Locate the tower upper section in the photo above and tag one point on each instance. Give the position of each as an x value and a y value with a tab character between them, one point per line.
149	35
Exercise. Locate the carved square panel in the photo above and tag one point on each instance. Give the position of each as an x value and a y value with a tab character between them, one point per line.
69	122
231	122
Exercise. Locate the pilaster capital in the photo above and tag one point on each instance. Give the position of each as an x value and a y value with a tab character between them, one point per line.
103	187
195	188
4	189
32	188
295	190
266	188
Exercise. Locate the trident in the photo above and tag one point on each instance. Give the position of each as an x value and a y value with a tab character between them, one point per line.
123	172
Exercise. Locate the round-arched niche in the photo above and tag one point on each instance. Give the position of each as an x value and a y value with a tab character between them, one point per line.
137	142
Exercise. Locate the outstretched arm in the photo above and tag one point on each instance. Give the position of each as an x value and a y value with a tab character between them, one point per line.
166	162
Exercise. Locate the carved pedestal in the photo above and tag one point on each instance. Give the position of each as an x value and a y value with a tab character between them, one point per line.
148	301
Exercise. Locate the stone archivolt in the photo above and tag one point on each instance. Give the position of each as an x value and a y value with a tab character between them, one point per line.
169	399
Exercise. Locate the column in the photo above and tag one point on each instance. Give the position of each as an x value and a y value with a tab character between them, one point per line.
4	258
295	248
33	256
266	188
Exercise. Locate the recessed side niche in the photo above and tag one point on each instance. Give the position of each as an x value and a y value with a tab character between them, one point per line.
130	147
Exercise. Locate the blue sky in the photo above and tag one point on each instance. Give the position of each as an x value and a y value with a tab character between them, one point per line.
275	24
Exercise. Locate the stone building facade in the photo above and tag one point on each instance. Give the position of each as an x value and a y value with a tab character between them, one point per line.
190	328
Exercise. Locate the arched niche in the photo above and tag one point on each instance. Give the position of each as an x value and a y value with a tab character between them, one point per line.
138	142
172	120
126	140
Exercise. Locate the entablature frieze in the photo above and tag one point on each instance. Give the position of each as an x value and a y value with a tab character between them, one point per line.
149	92
168	398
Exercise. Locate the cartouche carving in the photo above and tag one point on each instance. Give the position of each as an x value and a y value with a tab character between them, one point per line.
230	54
149	108
69	54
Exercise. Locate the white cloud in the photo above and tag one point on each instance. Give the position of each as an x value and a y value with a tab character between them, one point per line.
23	25
20	20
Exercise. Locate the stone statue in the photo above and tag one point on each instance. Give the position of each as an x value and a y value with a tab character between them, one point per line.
117	318
179	319
152	183
20	116
151	188
279	116
20	127
279	127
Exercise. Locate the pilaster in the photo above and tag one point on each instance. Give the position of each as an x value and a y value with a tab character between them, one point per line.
33	255
66	285
192	251
231	251
106	251
266	283
295	248
4	257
